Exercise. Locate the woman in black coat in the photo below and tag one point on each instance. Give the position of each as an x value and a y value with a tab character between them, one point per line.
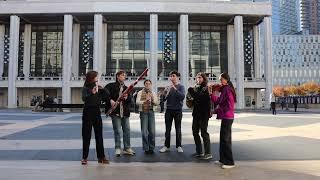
92	95
201	114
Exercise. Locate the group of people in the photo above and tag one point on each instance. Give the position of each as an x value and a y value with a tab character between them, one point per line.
204	98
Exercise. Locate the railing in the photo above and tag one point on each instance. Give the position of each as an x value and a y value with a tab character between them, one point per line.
4	78
57	78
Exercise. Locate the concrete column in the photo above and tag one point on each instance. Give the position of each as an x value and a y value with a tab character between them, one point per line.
153	73
75	49
104	58
268	58
27	50
239	61
230	37
67	59
257	60
183	64
98	43
13	61
2	31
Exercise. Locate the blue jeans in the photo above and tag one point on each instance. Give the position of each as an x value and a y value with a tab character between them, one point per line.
147	130
117	123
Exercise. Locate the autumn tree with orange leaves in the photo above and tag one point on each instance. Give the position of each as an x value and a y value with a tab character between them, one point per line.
308	88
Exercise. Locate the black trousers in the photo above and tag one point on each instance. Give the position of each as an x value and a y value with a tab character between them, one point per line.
273	107
171	115
91	117
225	149
201	124
161	107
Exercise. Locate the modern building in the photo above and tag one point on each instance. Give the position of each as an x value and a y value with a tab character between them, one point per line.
310	16
296	59
285	17
46	47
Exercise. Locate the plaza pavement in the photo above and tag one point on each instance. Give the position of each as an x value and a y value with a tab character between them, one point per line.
45	145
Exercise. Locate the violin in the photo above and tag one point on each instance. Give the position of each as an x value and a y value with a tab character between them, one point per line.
216	87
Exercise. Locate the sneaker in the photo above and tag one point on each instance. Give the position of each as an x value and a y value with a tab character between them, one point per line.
179	149
218	163
118	152
227	166
197	155
164	149
206	157
129	151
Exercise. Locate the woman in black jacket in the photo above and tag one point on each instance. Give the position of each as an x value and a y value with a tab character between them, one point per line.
92	95
201	114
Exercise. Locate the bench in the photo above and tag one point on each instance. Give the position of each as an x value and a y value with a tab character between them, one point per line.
58	107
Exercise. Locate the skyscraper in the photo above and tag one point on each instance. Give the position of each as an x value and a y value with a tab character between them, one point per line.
310	16
285	16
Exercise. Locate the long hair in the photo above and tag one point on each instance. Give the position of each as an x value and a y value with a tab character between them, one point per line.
90	77
205	79
227	77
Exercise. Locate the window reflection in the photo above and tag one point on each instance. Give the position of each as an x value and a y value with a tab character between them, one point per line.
127	49
46	50
208	51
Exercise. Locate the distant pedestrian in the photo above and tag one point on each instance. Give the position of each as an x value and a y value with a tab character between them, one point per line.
273	104
295	104
253	103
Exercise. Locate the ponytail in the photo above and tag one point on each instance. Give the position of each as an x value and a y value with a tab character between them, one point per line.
232	90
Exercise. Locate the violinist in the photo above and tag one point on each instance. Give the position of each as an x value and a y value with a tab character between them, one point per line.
225	98
92	95
201	113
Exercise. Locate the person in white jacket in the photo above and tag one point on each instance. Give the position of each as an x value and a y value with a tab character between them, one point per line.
147	101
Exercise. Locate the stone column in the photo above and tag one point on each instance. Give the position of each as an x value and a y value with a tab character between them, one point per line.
104	58
67	59
98	43
27	51
268	58
2	31
239	61
230	37
183	64
75	49
13	60
257	60
153	71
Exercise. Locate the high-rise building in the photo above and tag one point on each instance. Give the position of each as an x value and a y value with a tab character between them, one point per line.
285	16
310	16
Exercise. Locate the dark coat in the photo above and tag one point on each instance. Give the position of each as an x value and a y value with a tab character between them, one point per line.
94	100
113	89
201	102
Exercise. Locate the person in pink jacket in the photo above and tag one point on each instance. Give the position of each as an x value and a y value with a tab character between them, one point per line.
225	112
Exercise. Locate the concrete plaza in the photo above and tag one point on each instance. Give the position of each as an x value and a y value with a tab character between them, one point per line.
48	145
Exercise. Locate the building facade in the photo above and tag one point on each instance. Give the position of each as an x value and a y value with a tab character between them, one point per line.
285	17
310	16
296	59
48	46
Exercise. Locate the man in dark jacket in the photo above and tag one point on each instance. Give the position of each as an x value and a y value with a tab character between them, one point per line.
120	116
